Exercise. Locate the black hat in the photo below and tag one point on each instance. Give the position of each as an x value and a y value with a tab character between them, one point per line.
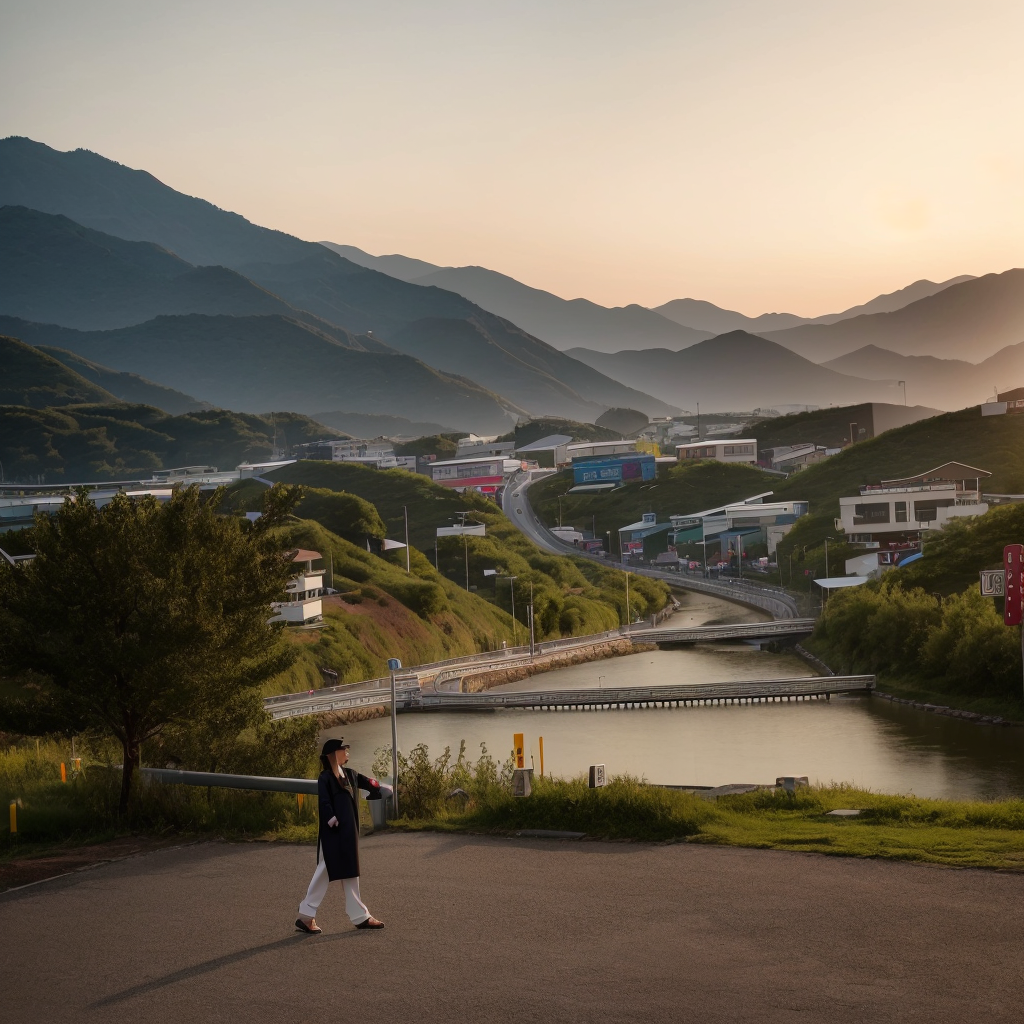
334	744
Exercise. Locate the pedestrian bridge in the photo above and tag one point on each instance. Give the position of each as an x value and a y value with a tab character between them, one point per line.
733	631
411	698
748	692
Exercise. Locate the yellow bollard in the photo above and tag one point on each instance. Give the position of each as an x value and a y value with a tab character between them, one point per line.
63	772
14	816
541	741
300	799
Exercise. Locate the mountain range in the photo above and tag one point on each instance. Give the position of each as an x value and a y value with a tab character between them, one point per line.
260	271
709	317
134	278
738	371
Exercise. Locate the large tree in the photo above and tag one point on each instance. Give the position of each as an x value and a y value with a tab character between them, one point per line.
140	614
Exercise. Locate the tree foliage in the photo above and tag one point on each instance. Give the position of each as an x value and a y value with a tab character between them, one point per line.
139	615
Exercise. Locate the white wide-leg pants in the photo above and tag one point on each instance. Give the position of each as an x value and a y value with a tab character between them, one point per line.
354	906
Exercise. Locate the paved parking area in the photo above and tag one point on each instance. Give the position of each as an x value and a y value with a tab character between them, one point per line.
482	930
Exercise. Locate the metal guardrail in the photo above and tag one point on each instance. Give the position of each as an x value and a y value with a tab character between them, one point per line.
659	696
739	631
263	783
304	704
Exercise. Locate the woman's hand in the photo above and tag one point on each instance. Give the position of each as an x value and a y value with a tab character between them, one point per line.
333	823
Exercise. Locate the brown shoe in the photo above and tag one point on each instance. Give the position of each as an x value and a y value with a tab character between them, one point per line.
370	922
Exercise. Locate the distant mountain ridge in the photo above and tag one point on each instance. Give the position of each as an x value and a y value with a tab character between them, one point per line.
563	323
262	363
974	319
301	280
707	316
738	371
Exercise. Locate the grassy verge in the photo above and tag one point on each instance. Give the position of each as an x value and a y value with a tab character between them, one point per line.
954	833
60	816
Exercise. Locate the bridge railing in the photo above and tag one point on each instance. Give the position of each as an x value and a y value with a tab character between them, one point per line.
795	687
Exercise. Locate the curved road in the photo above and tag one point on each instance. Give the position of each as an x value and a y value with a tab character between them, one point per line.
516	505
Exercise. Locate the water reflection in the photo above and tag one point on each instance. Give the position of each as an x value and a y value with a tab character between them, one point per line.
867	741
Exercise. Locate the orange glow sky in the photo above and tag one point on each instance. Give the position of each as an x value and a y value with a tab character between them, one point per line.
799	156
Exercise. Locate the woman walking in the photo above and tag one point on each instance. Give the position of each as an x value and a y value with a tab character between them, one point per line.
338	844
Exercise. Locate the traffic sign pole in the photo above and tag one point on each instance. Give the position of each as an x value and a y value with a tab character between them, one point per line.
1013	602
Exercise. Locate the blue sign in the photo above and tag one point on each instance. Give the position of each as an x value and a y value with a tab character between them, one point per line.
393	664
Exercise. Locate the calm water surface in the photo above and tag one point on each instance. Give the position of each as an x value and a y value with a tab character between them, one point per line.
873	743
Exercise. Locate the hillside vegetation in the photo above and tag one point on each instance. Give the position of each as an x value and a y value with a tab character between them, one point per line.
534	429
571	596
35	379
111	442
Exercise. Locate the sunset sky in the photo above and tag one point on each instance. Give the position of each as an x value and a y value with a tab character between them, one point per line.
799	156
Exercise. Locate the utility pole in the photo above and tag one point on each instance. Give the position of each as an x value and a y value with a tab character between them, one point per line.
628	616
512	589
405	512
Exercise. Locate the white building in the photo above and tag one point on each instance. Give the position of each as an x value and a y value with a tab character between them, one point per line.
304	604
888	519
742	449
790	457
590	449
486	475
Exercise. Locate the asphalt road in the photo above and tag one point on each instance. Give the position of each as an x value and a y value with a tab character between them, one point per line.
511	930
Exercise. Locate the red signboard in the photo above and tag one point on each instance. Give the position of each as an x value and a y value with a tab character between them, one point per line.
1013	602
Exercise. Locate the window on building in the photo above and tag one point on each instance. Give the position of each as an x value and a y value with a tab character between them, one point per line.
871	514
928	511
739	449
901	511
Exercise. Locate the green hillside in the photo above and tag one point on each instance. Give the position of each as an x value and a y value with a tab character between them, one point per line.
258	363
571	596
127	387
36	379
382	613
110	442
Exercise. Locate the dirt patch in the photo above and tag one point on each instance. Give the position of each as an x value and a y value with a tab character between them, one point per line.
34	867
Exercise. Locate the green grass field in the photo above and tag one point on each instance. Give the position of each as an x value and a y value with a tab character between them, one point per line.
54	815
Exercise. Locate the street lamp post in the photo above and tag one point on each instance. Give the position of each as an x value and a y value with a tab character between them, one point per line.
628	613
393	666
405	513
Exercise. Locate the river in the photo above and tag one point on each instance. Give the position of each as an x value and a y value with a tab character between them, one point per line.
861	740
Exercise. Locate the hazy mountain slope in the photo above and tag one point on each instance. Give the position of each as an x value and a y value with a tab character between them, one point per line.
260	363
131	204
531	373
302	280
736	371
944	383
405	268
127	387
33	378
53	270
361	424
709	317
706	316
563	323
974	319
892	301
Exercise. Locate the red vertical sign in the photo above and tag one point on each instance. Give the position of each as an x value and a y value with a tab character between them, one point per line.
1013	606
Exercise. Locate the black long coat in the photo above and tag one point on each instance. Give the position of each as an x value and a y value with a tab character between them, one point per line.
340	844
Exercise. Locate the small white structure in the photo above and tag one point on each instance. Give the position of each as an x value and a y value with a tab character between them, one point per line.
591	449
305	592
742	449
